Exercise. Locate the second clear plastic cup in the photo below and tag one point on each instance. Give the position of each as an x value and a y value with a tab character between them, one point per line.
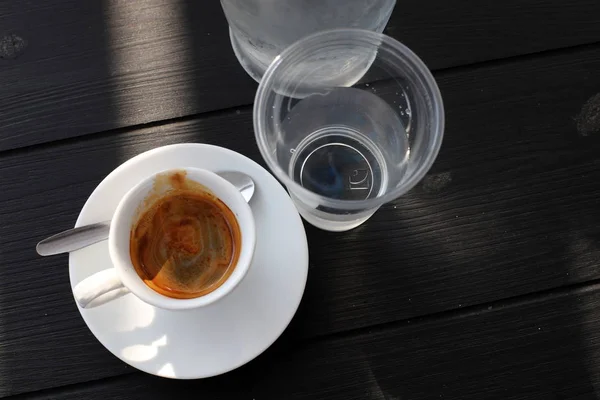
348	120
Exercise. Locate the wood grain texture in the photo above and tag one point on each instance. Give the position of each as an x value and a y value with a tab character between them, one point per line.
98	65
546	348
76	68
509	208
458	32
541	348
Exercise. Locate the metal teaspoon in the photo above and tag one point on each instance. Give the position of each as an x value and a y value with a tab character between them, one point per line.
83	236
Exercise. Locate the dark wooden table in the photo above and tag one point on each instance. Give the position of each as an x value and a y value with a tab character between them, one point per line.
482	282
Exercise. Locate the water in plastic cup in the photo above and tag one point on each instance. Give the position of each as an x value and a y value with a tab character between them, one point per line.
262	29
348	120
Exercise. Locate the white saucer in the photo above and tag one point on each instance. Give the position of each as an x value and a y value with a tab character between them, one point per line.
218	338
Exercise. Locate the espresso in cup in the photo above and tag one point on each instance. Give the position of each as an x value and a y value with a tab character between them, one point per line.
185	242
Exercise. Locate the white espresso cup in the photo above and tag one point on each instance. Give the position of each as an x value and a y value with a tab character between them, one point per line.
115	282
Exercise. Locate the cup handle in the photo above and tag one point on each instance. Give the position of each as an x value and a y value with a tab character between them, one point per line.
99	289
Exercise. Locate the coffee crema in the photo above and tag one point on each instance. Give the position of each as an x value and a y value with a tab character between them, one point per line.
185	242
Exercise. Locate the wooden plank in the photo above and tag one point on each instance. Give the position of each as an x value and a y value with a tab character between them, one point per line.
458	32
98	65
71	68
510	208
541	348
544	348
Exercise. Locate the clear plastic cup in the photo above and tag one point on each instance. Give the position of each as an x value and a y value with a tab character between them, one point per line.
261	29
348	120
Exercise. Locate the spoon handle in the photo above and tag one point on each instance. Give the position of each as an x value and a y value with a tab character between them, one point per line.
73	239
